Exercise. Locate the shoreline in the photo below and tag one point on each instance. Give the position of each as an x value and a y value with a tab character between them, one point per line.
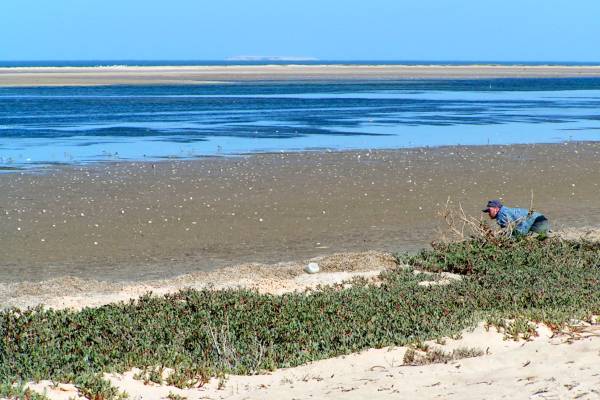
277	279
41	168
194	75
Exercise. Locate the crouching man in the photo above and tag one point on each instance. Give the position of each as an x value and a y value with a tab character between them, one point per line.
521	220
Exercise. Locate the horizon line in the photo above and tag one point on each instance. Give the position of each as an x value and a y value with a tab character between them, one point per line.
299	59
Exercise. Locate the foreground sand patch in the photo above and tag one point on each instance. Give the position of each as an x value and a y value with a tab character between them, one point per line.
591	234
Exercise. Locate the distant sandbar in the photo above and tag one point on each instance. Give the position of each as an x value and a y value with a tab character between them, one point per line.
194	75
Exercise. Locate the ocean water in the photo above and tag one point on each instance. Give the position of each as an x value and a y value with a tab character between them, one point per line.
269	61
44	126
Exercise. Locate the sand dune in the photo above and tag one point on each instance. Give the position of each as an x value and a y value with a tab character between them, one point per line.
551	366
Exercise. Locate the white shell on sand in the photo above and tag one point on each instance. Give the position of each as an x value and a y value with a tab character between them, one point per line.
312	268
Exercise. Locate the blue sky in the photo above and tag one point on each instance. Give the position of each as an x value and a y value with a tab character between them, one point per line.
507	30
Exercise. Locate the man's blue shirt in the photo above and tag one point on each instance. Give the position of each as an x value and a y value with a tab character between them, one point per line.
521	217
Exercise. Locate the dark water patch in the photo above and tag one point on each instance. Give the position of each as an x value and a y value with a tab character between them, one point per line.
73	124
414	86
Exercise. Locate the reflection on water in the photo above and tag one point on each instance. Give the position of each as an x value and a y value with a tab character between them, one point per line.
89	124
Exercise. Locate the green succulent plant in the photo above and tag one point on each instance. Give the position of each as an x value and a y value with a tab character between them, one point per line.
208	333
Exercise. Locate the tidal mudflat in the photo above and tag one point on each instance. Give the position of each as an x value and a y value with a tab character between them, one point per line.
139	221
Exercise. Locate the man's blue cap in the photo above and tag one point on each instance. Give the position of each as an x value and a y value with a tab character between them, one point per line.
492	203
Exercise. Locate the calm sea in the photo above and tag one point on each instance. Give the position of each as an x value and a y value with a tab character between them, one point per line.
42	126
275	61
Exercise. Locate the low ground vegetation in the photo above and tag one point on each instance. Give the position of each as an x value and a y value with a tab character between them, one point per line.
196	335
438	356
9	390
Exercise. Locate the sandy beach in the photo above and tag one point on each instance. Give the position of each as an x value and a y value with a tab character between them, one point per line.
299	201
181	75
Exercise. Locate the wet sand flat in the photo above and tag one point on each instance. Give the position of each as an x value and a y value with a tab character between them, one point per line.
140	221
131	75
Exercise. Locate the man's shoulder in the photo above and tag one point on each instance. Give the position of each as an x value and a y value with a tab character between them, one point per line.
514	211
507	210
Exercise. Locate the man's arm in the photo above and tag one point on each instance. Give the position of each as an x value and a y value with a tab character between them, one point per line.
511	218
523	221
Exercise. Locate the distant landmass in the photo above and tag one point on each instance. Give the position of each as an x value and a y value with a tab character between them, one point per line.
271	58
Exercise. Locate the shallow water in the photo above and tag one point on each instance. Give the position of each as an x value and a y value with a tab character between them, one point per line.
40	126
